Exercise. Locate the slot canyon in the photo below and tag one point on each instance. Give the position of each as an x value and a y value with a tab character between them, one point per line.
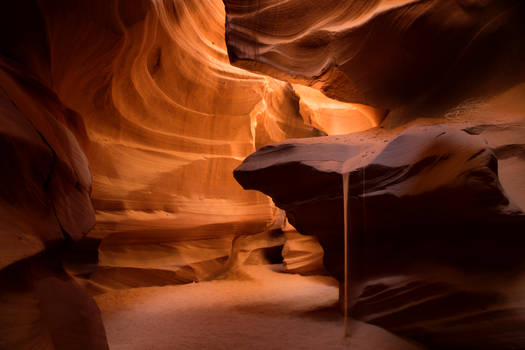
262	174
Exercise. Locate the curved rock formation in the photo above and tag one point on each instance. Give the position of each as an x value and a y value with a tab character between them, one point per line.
143	90
436	212
419	56
170	110
163	119
130	112
45	204
334	117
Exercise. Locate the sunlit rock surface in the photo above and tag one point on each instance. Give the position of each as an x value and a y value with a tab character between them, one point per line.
302	254
130	112
134	104
167	117
146	89
417	56
335	117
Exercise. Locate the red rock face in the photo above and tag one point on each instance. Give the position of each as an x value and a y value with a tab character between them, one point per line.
128	114
160	114
424	56
132	110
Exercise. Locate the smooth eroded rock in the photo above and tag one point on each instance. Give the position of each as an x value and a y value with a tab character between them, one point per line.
435	241
428	55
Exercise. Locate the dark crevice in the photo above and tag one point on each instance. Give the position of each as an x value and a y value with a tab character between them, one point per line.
509	151
154	61
475	154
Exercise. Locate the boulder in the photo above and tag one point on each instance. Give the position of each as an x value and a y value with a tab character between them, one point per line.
433	234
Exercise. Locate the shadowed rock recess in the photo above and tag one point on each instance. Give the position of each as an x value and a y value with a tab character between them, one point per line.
124	125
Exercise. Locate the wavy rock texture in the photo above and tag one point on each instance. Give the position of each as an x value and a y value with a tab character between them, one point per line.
136	103
144	92
163	119
417	57
168	118
302	254
334	117
45	204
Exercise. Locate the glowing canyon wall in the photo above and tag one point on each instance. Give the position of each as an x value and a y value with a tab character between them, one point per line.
122	122
415	57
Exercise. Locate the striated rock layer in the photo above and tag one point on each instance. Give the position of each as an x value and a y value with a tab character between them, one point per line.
135	104
144	91
433	178
167	118
418	57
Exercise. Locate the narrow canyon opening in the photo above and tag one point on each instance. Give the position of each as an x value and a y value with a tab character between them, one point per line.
262	174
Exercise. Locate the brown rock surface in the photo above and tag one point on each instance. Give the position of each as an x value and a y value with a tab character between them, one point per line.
45	187
436	215
302	253
419	56
141	95
46	181
43	308
436	179
167	119
422	203
161	115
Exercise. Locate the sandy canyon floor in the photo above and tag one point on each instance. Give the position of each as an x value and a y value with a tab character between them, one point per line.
260	308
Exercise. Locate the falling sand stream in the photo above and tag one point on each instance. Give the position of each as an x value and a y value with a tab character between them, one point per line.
346	281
